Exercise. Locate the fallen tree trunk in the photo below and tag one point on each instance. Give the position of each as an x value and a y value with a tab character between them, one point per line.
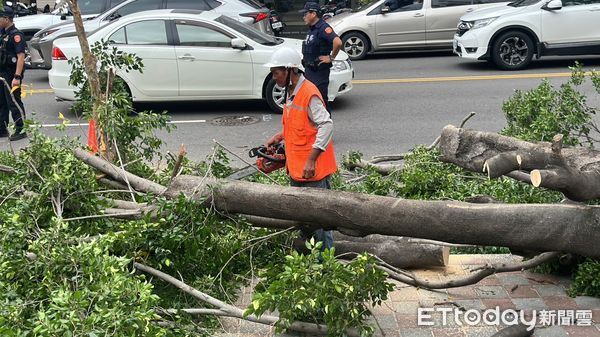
538	227
569	228
574	171
396	251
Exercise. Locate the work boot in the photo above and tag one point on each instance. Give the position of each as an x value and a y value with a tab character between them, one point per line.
17	136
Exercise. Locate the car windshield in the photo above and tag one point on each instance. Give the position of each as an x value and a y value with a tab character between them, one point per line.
365	5
250	32
523	3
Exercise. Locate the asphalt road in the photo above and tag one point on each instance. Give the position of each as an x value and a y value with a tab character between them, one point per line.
398	101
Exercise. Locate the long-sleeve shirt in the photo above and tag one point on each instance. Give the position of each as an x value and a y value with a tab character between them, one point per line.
319	116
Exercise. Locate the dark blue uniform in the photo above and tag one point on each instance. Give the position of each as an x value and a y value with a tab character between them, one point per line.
12	42
318	42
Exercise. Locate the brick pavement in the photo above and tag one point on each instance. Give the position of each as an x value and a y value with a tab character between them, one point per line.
520	291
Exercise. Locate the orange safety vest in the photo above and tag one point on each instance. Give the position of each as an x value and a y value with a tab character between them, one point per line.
300	134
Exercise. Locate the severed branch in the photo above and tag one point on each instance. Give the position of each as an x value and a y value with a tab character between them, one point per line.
475	277
116	173
233	311
391	168
179	161
7	169
574	171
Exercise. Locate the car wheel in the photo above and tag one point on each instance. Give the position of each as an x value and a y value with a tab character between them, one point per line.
356	45
275	96
512	50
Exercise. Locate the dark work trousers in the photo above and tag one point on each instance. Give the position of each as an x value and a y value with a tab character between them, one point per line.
7	105
320	78
320	235
324	90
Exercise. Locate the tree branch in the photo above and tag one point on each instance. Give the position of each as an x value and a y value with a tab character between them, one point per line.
489	270
231	310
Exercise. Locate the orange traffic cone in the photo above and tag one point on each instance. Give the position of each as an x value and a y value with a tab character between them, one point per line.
92	137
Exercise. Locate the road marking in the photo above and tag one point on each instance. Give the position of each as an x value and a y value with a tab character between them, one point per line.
461	78
86	124
39	91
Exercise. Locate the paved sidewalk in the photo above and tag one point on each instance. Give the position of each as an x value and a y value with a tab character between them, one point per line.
520	291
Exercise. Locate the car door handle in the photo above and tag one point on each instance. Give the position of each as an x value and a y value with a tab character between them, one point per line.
187	57
418	15
470	10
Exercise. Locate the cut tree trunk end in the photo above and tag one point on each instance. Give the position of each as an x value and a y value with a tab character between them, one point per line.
574	171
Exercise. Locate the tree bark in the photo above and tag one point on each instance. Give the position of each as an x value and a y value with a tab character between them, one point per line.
118	174
396	251
569	228
574	171
89	60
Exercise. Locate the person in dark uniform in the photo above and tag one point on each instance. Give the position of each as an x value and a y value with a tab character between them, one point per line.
12	67
319	49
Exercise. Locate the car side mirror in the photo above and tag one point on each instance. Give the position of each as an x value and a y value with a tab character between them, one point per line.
63	17
385	9
238	43
553	5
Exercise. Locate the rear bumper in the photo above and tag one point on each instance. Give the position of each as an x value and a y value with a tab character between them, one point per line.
59	82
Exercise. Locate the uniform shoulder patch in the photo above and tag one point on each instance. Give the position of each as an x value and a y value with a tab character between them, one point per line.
17	38
328	30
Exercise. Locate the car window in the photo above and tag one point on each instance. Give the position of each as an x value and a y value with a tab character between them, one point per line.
213	3
188	4
249	32
523	3
91	6
449	3
579	2
151	32
135	7
403	5
191	34
118	37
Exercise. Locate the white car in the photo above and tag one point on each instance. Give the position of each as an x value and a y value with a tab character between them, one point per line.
511	35
192	55
31	24
385	25
246	11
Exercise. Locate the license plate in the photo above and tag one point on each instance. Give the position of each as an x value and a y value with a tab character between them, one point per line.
276	25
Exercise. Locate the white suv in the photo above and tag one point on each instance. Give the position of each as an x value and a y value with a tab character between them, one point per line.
511	35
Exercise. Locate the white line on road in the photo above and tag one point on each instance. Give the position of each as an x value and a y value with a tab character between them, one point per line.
86	124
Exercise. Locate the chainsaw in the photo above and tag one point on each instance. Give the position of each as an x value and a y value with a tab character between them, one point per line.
268	159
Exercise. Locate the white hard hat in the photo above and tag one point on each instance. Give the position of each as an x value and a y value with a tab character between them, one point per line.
286	57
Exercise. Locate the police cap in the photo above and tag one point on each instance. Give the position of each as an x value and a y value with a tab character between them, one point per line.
7	12
311	7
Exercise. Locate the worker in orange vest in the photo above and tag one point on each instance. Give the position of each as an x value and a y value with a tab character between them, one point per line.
307	130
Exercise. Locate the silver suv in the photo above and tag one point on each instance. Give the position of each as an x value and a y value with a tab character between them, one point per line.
403	25
246	11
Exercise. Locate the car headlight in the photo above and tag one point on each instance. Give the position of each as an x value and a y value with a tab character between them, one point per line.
339	65
482	22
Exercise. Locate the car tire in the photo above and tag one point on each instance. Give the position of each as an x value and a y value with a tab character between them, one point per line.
274	95
356	45
512	50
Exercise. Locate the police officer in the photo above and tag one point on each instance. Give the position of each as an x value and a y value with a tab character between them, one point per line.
12	66
319	49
